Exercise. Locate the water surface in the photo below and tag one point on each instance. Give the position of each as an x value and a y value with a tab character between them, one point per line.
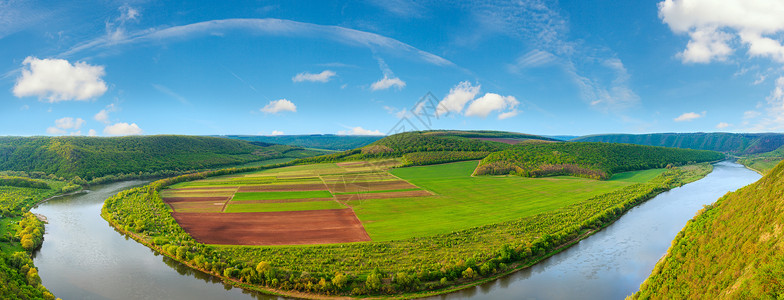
612	263
82	257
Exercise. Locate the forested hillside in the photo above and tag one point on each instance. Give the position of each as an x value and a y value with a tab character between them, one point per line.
735	143
593	160
733	249
436	146
91	157
319	141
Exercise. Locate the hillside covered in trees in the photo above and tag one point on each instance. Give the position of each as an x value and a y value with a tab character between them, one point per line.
734	143
732	249
592	160
318	141
92	157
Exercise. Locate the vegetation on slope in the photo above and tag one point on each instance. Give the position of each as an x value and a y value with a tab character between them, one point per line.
592	160
430	147
93	157
732	249
429	263
763	162
735	143
21	233
318	141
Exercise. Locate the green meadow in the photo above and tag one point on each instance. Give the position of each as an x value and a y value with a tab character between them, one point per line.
464	201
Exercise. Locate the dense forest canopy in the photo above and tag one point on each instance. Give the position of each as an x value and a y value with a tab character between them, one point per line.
732	249
735	143
593	160
318	141
91	157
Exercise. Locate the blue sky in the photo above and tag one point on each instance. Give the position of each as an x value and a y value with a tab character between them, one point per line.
357	67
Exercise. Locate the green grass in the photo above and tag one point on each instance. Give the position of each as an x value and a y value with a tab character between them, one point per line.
464	201
266	162
280	195
380	191
637	176
235	207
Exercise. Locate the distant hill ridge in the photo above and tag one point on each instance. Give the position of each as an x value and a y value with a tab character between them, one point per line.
734	143
91	157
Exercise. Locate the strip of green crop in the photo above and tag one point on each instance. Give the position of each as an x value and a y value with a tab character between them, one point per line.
280	195
235	207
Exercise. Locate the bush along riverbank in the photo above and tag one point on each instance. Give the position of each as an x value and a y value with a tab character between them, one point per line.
406	268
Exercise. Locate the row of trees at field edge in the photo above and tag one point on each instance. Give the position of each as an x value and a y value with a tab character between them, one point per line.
374	268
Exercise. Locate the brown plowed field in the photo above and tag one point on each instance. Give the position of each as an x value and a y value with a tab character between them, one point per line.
274	228
284	188
194	199
370	186
400	194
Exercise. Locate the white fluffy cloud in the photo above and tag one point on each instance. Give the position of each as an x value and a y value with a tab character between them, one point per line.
713	25
388	82
122	129
62	125
92	132
457	98
723	125
69	123
58	80
359	131
465	93
277	132
490	102
103	115
689	116
276	106
324	76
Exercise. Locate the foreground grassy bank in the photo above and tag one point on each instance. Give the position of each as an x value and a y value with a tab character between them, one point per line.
732	249
405	267
20	234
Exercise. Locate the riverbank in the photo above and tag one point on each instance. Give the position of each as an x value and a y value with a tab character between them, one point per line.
240	269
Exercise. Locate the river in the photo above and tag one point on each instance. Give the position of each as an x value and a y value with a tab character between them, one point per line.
82	257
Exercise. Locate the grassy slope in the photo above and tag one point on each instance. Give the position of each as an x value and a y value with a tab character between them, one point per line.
90	157
734	249
763	162
464	201
736	143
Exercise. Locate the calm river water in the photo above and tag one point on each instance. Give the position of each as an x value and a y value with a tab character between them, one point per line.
82	257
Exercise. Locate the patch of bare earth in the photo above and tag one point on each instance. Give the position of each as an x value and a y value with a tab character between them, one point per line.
274	228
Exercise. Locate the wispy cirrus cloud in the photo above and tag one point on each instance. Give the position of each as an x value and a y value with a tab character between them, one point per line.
272	27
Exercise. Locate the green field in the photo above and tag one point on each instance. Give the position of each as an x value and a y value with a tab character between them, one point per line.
234	207
464	201
280	195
